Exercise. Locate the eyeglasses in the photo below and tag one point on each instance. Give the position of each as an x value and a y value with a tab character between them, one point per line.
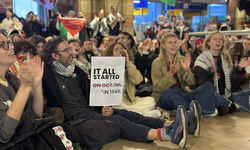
238	56
5	44
68	50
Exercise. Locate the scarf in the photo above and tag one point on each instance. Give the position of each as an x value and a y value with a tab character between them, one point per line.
112	17
204	61
69	70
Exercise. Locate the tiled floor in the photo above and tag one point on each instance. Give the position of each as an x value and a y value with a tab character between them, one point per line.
218	133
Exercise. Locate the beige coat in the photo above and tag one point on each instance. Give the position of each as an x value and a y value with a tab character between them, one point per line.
163	80
132	77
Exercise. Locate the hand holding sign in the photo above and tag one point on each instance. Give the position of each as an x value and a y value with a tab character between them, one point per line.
107	75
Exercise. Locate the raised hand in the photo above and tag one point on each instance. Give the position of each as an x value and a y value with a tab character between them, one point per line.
38	70
26	74
124	53
174	67
186	28
147	46
186	63
244	63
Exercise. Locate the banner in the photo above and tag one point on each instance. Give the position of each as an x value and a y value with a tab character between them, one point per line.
107	77
71	25
4	5
49	4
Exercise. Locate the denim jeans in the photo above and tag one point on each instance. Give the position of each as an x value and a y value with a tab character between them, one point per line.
206	95
242	99
133	126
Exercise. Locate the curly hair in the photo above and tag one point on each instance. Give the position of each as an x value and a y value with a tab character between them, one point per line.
49	48
110	48
35	39
25	46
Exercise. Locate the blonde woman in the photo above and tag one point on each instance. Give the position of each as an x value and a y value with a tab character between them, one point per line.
170	75
214	65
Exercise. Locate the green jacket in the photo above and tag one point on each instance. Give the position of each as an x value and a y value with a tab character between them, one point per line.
162	80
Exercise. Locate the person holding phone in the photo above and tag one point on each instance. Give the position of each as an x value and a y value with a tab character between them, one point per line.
33	25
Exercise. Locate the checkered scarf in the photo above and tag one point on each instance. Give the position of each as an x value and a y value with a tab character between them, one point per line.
204	61
69	70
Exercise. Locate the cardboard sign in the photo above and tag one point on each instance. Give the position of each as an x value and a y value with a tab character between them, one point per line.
107	77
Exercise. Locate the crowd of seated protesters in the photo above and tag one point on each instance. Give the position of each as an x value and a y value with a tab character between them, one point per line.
167	71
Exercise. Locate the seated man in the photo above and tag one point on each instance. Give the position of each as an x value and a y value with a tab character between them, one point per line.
66	86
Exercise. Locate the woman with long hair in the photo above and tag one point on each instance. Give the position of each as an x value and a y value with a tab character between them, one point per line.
22	125
11	23
133	77
128	41
215	65
239	78
172	75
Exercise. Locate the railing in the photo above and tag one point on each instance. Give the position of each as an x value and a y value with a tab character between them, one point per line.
234	32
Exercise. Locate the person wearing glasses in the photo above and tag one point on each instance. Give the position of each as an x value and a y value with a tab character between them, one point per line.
66	86
21	112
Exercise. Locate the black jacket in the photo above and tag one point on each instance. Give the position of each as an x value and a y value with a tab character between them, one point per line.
52	28
51	90
194	56
33	28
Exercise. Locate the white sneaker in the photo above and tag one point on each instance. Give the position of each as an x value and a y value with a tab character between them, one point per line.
153	113
212	115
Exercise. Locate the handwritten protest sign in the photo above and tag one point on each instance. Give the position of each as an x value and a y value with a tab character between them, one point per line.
107	76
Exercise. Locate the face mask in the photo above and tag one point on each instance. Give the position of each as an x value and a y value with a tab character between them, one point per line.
227	19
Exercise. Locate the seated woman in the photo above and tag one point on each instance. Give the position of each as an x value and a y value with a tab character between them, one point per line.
172	75
39	42
215	66
133	77
128	41
20	113
240	78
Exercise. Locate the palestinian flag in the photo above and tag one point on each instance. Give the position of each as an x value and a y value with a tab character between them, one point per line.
49	4
70	27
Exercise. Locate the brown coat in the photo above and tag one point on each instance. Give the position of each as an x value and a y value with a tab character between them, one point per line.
132	77
162	80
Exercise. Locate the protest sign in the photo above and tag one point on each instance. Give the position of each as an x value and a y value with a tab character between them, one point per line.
107	77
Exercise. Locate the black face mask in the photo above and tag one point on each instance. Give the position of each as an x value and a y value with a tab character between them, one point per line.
227	19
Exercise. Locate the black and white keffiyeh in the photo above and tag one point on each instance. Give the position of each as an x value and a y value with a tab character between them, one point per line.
112	17
69	70
204	61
